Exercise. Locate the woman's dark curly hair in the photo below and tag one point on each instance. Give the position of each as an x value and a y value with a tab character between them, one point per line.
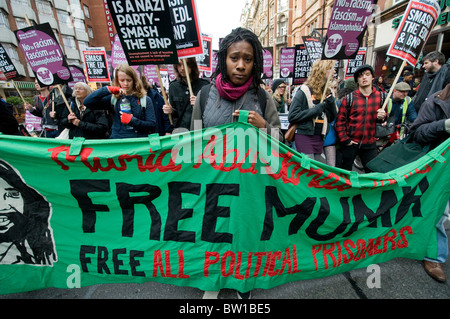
237	35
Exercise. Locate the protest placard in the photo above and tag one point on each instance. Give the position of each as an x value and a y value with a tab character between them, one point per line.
6	65
186	28
352	64
144	30
96	65
314	48
346	29
204	61
208	74
267	63
287	62
302	65
414	29
77	75
44	55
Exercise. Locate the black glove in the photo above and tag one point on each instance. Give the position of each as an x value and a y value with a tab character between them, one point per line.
330	101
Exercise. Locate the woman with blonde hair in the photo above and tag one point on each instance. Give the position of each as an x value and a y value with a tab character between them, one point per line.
83	122
280	96
132	110
309	113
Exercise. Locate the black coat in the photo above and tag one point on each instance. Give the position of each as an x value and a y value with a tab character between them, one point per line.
8	123
429	127
93	124
179	99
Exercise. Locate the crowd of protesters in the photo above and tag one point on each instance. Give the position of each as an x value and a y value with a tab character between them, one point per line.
339	123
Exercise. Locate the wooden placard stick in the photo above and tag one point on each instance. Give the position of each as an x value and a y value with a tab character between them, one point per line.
17	89
393	85
326	85
59	86
163	91
188	77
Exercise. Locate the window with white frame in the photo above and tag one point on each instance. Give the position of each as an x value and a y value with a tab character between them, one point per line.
21	23
87	14
90	32
20	3
283	5
64	18
282	25
44	7
83	45
4	20
69	42
79	24
312	26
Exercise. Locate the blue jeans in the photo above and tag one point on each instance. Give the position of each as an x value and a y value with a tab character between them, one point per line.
51	134
442	241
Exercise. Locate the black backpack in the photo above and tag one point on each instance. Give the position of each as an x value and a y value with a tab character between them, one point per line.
349	98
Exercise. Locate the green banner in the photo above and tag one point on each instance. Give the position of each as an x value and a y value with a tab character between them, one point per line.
225	207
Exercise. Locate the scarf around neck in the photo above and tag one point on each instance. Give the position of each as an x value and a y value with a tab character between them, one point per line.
229	91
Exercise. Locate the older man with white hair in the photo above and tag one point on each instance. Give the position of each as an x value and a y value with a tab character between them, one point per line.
82	121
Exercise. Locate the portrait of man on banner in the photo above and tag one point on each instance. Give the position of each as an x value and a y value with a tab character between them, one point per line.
25	234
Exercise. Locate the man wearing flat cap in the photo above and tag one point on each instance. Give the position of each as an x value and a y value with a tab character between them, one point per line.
400	110
400	105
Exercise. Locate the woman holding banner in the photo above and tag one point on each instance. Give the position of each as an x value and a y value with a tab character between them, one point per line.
311	112
236	86
132	110
84	122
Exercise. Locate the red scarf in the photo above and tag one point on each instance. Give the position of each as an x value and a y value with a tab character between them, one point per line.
229	91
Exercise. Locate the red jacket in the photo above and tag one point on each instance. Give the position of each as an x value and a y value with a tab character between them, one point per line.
357	122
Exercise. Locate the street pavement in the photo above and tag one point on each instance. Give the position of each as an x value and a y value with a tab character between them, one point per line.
399	279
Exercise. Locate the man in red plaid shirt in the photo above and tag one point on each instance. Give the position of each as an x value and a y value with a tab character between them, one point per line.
357	118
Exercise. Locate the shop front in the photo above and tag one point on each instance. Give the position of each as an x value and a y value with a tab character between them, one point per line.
439	40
